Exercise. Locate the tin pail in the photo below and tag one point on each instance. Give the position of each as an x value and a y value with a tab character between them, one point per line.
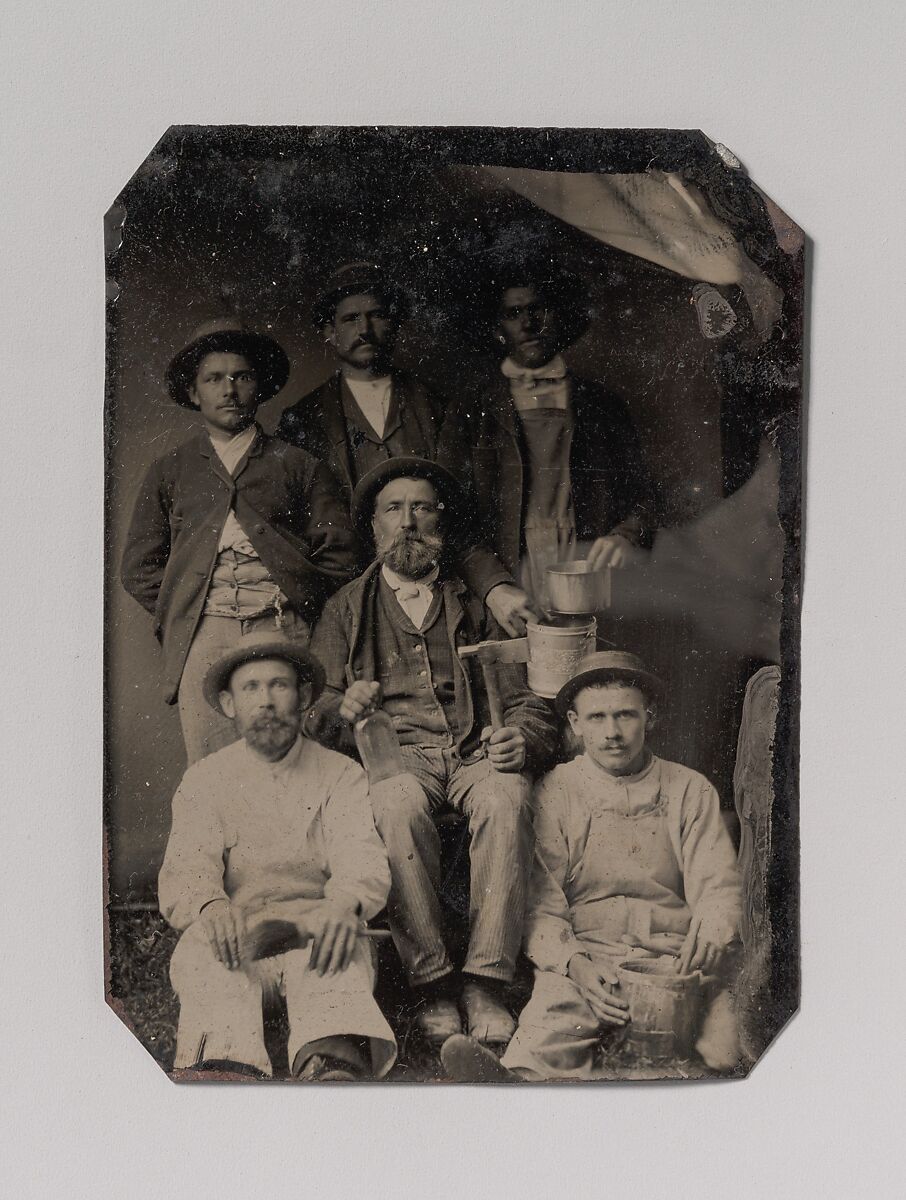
664	1007
554	653
577	587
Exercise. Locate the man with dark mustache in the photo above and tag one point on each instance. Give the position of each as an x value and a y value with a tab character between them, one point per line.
371	411
390	639
232	532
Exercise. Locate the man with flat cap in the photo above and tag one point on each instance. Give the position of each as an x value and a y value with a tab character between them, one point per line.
391	639
370	411
271	825
632	860
552	460
233	531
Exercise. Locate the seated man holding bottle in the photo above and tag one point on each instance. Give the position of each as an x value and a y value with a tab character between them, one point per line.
390	640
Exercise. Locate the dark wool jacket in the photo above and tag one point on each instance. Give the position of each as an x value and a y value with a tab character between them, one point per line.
316	423
345	641
611	487
286	502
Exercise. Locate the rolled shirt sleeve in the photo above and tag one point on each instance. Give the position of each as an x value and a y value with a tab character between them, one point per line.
359	868
192	871
549	938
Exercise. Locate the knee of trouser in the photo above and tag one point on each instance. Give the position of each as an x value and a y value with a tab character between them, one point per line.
192	958
398	804
502	798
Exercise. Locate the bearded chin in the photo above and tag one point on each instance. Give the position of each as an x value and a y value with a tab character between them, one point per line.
413	557
273	737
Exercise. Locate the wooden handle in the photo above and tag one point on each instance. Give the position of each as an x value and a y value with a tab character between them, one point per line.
492	687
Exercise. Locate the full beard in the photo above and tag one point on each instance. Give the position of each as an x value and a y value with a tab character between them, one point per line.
413	555
272	737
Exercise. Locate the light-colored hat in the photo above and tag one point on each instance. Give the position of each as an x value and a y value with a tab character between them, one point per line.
254	648
603	667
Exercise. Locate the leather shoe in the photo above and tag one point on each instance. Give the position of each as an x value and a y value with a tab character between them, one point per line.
467	1061
438	1019
324	1068
487	1019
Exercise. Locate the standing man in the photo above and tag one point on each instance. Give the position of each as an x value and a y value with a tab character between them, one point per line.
274	820
369	412
553	460
633	860
232	532
390	639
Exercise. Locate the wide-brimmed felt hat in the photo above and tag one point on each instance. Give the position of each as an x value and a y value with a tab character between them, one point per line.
358	279
228	335
449	489
606	666
254	648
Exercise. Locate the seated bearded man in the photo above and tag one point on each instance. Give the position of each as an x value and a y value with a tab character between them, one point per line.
633	861
390	638
275	826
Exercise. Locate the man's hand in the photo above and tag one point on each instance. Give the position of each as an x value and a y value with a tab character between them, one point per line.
708	943
506	748
511	608
612	551
335	925
360	699
224	927
596	983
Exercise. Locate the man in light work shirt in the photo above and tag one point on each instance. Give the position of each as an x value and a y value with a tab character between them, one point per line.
274	820
633	860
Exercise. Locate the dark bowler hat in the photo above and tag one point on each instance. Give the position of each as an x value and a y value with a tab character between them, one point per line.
256	647
228	335
358	279
449	489
604	667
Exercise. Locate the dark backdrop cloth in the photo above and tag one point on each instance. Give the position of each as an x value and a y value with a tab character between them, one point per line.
199	229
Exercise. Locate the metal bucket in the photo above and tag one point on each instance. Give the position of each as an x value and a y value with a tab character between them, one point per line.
554	653
577	587
664	1007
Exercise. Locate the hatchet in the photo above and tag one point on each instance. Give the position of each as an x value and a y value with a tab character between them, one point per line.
491	655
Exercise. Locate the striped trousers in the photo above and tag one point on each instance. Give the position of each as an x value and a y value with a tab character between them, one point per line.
497	806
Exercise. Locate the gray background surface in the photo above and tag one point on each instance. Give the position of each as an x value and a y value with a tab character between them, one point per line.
811	98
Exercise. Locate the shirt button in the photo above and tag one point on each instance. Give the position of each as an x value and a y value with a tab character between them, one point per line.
422	672
259	529
417	648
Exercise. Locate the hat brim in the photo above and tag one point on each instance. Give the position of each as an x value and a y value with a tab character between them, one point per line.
449	490
325	306
219	674
582	679
269	358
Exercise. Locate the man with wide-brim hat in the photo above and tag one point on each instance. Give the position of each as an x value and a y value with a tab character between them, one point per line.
232	532
555	464
390	639
274	829
632	861
371	411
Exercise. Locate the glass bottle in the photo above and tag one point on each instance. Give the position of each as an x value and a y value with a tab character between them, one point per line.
378	746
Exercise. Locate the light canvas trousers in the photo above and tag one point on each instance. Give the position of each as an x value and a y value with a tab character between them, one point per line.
221	1011
497	807
558	1035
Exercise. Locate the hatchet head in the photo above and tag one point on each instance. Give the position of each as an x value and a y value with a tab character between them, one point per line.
507	650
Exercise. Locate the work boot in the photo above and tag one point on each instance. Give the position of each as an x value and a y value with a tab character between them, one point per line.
488	1020
438	1019
467	1061
324	1068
